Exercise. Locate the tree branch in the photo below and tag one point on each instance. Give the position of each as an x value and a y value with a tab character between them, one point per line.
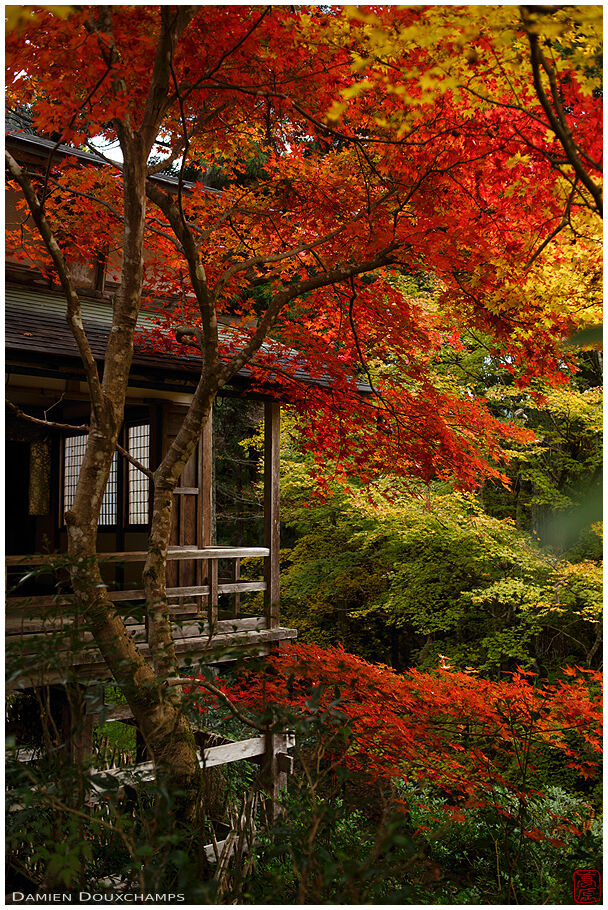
557	118
70	125
196	269
563	223
290	293
49	424
191	88
203	684
74	310
182	115
296	250
71	428
351	317
91	196
158	100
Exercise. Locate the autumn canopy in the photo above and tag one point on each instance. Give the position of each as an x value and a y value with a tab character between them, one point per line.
362	155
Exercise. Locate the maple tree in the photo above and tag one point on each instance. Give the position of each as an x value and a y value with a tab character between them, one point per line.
307	252
448	728
540	64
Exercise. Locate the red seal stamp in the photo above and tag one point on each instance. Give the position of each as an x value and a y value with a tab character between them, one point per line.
587	886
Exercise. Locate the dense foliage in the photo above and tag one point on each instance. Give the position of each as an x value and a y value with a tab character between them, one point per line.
418	150
440	770
421	575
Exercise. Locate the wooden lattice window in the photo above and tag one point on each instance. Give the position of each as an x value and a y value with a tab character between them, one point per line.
74	448
138	445
127	492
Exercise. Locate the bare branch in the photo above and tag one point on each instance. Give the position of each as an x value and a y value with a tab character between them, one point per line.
48	424
136	464
72	428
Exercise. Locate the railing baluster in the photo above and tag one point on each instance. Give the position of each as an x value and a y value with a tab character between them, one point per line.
213	594
236	575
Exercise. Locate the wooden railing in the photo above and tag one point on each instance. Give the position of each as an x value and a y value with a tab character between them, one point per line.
194	609
204	636
210	555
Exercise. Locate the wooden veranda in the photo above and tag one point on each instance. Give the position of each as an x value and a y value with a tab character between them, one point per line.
48	642
198	631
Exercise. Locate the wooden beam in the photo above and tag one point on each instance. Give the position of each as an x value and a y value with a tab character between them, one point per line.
204	644
272	483
96	670
216	649
209	758
215	552
25	605
185	627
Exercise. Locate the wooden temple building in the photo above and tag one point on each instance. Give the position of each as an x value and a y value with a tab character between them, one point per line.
210	587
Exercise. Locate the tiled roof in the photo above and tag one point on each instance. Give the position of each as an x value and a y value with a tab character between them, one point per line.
35	324
37	145
36	333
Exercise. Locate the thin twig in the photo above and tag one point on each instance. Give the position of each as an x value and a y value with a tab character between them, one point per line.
203	684
71	428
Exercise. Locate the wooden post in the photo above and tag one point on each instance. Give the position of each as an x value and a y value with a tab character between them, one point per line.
205	528
75	723
273	776
272	482
236	577
209	567
213	595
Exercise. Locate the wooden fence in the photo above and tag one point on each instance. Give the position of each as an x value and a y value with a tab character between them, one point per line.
197	628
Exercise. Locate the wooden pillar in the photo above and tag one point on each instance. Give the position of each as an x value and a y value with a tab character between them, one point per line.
205	523
76	711
276	765
236	577
272	482
206	484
